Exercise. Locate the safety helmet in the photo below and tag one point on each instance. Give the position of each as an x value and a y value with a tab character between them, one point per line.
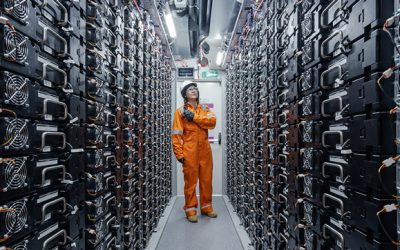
185	85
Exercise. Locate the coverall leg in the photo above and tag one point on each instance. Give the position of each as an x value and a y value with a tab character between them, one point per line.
205	177
191	175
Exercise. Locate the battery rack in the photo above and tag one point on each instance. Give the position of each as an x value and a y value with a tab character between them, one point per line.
315	82
84	125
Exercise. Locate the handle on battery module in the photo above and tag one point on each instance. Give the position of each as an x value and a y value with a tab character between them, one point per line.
340	133
332	165
325	234
51	203
60	134
46	36
44	172
54	236
48	65
62	104
331	197
65	19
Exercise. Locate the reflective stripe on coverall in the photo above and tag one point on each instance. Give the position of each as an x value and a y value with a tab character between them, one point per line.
190	141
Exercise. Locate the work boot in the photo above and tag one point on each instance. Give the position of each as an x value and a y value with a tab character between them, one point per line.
192	218
212	214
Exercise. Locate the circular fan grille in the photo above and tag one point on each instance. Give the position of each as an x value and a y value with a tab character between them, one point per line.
20	246
99	157
17	8
16	218
15	173
16	133
16	46
16	89
99	206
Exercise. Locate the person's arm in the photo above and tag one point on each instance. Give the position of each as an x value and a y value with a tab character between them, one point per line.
177	136
207	120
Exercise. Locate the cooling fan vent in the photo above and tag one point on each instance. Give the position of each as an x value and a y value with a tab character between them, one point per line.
16	216
16	90
15	45
15	174
16	134
17	8
20	246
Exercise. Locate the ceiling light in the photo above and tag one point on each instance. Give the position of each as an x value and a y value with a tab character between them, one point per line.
220	56
170	25
218	36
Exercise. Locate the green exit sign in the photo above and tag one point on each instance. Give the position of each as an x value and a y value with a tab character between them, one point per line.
210	74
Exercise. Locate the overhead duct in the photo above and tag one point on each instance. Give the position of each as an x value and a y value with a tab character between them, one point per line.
204	19
199	23
193	26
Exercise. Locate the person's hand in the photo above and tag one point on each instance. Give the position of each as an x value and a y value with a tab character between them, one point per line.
181	160
189	115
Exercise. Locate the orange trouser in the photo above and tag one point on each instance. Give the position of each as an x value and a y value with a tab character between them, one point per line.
198	169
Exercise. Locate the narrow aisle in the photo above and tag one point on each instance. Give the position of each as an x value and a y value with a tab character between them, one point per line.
207	234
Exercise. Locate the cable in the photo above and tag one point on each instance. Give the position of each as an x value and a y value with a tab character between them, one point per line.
386	209
6	210
4	238
5	160
387	163
385	75
388	23
7	142
3	110
393	110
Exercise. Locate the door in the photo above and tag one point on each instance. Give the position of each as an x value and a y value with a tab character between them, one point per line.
211	95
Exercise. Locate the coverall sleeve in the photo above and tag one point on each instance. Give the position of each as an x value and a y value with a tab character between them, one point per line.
177	135
206	121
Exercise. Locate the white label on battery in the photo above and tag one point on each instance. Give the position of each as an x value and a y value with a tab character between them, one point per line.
46	149
337	128
47	217
47	231
77	150
48	162
47	182
48	49
46	128
48	117
336	223
337	192
47	96
47	83
337	159
47	197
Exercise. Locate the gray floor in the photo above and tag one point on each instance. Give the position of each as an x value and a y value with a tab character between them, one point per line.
207	234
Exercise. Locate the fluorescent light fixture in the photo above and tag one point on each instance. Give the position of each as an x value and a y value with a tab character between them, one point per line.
170	25
220	56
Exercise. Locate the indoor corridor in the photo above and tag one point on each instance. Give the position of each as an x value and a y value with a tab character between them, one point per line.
174	232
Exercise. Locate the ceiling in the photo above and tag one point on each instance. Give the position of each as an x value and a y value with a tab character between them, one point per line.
223	18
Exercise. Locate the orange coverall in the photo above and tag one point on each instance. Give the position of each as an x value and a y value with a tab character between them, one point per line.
190	141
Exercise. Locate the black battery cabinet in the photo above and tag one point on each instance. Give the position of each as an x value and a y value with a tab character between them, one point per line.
82	165
311	125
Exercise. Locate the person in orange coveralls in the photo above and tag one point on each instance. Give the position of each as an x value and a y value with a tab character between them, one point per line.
191	147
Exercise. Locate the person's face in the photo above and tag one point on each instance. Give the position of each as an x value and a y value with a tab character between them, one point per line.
192	93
